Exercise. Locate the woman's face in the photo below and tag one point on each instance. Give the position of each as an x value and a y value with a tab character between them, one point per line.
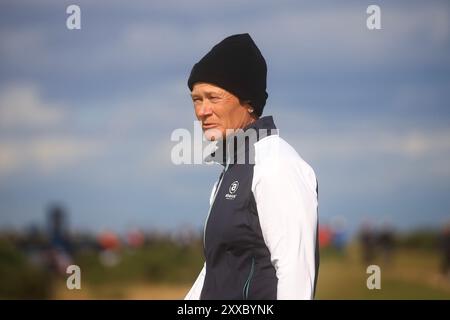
219	110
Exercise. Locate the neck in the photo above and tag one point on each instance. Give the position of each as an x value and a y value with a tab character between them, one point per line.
251	119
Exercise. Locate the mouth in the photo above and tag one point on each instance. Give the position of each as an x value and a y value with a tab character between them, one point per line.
209	125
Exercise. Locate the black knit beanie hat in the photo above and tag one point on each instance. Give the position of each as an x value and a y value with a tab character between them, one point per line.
236	65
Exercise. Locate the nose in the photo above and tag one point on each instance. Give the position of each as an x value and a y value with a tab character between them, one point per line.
204	109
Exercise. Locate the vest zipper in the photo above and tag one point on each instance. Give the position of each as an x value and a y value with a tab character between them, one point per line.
212	204
249	279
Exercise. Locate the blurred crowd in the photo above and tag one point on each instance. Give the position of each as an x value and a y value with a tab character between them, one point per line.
378	244
54	248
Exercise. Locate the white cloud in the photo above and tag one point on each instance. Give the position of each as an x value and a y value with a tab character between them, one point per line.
21	106
333	37
46	154
42	136
18	42
33	133
61	152
294	34
374	142
9	159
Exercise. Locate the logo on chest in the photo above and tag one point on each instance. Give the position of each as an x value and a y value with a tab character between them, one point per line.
232	191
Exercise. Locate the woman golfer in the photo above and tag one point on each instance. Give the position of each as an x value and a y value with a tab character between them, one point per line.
260	236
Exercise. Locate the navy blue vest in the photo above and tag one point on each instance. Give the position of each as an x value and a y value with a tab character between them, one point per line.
238	262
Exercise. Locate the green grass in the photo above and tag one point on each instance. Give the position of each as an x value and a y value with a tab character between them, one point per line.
161	263
166	270
412	274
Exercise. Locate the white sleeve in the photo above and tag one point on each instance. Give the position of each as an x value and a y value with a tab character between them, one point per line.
194	293
286	199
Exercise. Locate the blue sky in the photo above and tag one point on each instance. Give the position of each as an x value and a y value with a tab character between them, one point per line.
86	115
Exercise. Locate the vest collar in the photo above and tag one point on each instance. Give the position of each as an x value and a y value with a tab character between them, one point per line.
236	147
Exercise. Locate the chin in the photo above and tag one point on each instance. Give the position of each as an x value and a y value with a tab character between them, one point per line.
213	134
